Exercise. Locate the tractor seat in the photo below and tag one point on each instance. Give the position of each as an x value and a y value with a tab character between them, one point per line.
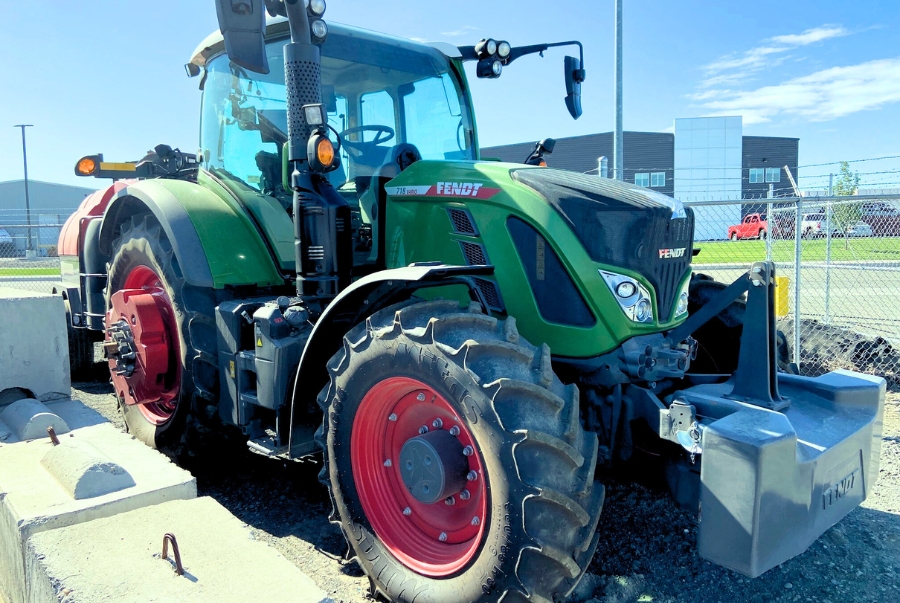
401	157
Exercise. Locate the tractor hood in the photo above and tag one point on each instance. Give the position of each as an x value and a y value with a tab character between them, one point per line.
621	224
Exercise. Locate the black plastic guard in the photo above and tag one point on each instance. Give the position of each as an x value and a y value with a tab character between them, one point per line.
358	301
773	482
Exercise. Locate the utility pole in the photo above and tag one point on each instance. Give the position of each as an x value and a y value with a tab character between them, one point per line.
29	250
618	146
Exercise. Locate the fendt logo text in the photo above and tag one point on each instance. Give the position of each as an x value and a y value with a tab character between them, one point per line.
458	189
671	253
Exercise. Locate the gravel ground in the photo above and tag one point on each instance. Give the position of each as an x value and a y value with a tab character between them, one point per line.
647	548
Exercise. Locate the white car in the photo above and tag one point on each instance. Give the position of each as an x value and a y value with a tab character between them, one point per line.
859	229
7	245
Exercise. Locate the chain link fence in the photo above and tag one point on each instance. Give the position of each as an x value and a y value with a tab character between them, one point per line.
28	252
838	266
837	260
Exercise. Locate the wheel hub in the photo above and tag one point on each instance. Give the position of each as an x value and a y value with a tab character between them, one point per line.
433	466
142	345
419	476
120	348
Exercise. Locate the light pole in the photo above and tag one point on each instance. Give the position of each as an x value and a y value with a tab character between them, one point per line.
29	250
618	142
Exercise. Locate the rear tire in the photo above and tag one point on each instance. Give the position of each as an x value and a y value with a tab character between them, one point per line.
143	244
538	531
762	235
734	236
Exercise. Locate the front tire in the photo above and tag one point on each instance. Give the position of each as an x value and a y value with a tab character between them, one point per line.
734	236
526	530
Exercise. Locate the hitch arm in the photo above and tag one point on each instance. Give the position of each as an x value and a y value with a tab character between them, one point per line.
756	379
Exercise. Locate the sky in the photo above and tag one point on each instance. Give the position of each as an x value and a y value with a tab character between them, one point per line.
107	76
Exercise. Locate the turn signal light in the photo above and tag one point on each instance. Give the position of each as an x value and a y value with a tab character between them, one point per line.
86	166
320	153
325	152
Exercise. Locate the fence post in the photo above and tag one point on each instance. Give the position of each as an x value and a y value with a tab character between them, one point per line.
770	222
828	251
798	224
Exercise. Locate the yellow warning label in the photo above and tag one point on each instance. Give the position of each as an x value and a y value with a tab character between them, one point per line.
231	368
259	342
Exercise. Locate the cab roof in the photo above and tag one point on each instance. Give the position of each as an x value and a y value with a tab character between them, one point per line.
277	27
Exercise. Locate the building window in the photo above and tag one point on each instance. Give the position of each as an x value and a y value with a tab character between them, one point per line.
658	179
773	175
642	179
757	175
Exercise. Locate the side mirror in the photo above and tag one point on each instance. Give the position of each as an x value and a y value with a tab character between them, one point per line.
574	77
242	23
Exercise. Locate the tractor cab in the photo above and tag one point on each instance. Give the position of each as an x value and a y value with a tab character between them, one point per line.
389	103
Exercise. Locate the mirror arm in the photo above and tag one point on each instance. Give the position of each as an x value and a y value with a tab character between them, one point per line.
468	52
298	21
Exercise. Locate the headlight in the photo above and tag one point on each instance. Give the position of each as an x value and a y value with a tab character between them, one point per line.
682	307
503	49
633	297
625	289
497	68
491	47
317	6
319	29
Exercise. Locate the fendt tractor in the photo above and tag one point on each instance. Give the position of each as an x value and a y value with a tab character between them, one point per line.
338	272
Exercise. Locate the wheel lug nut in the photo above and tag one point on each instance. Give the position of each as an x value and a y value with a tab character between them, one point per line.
468	450
465	495
392	417
423	429
472	476
450	501
454	431
420	397
443	537
388	463
437	424
407	511
475	521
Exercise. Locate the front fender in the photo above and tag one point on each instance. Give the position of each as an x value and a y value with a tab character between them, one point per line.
213	239
353	305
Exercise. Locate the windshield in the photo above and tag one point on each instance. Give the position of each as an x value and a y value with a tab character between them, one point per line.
378	92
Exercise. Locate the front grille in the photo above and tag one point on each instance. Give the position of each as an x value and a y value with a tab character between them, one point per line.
666	273
462	222
474	254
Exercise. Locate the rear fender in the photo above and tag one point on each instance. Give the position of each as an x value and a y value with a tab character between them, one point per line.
354	304
214	240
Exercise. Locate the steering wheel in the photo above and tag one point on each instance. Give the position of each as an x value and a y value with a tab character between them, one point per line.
382	134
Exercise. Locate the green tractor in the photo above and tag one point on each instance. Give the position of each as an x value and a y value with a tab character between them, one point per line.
338	271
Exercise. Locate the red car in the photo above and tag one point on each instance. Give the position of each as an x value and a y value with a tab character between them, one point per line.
752	227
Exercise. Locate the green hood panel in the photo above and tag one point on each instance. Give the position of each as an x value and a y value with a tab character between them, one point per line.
419	228
236	253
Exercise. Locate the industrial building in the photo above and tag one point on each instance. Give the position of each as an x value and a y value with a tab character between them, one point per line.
50	206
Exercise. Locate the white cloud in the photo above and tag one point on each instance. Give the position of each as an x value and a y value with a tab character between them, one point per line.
735	67
458	33
820	96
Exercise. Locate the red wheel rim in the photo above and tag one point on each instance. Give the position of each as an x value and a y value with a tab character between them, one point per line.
433	540
144	304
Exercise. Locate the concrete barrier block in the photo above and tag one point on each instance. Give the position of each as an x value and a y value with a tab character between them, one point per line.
119	559
34	348
29	419
33	501
84	471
